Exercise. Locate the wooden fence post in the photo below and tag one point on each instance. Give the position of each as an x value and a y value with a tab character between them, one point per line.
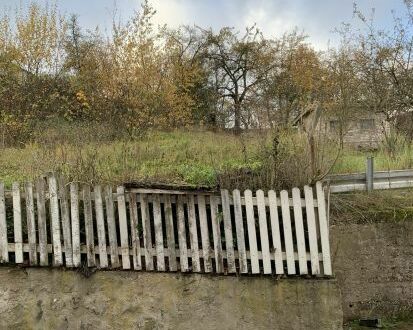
370	173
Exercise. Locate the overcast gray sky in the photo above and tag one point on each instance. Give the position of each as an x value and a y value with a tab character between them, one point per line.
318	18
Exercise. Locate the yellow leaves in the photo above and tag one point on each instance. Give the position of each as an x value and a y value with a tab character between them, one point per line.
81	98
38	37
305	68
13	127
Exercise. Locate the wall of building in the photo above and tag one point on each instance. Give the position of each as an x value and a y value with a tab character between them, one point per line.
35	298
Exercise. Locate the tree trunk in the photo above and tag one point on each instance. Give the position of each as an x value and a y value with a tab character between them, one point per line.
237	118
313	164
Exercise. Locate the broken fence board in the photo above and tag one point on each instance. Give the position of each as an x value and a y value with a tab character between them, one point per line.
90	240
299	232
239	228
193	235
123	228
74	216
67	235
170	233
100	226
112	235
275	231
31	223
157	217
229	244
312	230
252	234
134	226
216	235
55	222
204	233
265	245
322	218
183	248
4	246
147	236
41	217
17	224
288	236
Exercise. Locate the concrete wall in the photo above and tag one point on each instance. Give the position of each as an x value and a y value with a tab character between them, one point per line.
373	264
57	299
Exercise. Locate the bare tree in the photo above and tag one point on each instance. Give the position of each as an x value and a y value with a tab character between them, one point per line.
239	64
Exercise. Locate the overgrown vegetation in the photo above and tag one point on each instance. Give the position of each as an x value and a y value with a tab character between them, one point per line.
181	157
403	322
376	206
199	158
142	103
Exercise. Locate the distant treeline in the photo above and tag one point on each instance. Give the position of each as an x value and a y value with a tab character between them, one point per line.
144	76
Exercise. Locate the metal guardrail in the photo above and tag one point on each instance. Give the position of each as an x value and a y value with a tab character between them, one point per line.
370	180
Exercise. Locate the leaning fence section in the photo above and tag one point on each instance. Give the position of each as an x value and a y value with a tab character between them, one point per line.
51	223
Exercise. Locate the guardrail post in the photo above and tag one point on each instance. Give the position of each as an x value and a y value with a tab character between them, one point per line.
370	173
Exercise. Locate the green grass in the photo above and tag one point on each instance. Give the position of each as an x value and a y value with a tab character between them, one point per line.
177	157
181	157
352	161
377	206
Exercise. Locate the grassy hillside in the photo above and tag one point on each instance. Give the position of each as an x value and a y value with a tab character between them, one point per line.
180	157
190	157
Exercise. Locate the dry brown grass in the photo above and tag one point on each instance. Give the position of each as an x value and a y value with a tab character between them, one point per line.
363	207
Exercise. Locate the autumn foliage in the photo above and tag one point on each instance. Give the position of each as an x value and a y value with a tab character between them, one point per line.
144	76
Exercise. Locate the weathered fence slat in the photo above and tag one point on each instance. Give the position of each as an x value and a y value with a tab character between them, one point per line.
74	215
90	241
170	233
265	245
110	217
216	235
252	235
147	236
193	235
136	246
322	218
229	244
275	231
239	227
100	226
67	235
183	248
123	228
31	223
160	254
312	230
299	232
288	236
204	233
41	223
54	212
4	246
17	224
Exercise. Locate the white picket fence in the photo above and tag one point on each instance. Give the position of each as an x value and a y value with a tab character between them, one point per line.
53	223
